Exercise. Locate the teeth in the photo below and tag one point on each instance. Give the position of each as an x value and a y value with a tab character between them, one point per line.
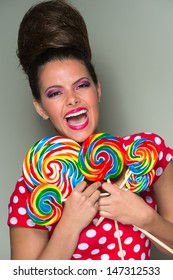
76	114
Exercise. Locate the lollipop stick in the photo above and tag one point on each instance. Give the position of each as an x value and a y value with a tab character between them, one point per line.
125	180
116	227
119	240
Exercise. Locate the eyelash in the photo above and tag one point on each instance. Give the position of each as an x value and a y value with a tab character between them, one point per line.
83	85
53	93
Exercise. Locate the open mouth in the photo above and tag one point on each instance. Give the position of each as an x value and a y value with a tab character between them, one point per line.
77	120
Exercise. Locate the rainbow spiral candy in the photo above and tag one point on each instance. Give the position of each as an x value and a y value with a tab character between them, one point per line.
141	157
53	160
139	183
44	204
101	157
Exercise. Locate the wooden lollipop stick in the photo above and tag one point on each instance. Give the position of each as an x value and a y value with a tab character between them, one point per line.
119	240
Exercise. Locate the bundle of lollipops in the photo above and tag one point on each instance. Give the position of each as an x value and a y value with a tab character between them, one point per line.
55	165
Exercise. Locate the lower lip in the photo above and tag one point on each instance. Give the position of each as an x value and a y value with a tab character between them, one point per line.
78	127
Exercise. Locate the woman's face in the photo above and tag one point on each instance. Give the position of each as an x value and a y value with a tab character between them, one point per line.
69	98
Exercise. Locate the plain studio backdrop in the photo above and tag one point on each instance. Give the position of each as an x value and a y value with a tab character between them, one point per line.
132	45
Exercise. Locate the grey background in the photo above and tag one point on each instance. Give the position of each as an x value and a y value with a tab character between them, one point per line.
132	44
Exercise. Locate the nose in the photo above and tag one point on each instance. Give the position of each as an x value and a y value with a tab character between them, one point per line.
72	98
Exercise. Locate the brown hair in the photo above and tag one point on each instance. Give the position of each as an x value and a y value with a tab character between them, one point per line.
51	24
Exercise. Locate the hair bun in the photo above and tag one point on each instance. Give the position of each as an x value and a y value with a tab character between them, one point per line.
51	24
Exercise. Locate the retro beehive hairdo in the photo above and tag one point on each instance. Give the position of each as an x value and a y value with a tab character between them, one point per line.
51	24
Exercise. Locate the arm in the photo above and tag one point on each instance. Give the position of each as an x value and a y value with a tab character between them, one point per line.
79	210
162	222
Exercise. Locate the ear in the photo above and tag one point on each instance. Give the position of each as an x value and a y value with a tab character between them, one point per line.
39	109
99	90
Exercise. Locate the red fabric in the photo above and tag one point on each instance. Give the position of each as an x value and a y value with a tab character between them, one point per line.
100	243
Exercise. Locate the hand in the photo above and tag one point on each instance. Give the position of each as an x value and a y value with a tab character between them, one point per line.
123	205
82	205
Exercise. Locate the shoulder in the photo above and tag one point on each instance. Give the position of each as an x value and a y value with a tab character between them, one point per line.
157	139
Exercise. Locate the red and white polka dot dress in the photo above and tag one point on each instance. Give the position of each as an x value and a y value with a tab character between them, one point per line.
100	243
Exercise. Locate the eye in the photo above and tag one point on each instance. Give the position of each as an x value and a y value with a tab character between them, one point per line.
82	85
53	93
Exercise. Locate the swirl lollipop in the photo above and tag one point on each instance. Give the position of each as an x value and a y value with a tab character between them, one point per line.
139	183
44	204
53	160
141	157
101	157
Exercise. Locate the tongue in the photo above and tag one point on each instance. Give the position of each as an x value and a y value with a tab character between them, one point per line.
77	120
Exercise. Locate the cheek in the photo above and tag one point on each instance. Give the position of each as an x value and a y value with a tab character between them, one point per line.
52	109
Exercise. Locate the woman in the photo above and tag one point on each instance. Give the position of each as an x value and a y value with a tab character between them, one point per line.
66	91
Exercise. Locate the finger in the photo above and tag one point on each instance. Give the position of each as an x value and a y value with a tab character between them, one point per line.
81	186
92	188
95	197
103	201
104	208
105	214
110	188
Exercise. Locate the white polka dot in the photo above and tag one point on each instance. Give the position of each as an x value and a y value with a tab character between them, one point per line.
159	171
22	211
20	179
77	256
123	253
111	246
142	235
128	240
83	246
116	233
95	221
160	155
30	223
107	227
125	147
149	199
168	157
10	209
136	248
157	140
147	242
143	256
102	240
91	233
126	138
105	257
49	228
13	221
137	137
135	228
21	189
15	199
149	252
95	252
